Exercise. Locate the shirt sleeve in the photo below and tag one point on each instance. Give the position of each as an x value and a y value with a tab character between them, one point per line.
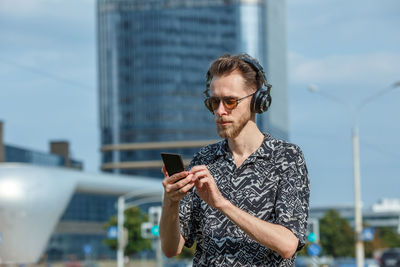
293	194
187	220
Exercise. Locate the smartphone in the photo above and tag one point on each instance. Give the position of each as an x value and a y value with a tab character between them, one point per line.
173	163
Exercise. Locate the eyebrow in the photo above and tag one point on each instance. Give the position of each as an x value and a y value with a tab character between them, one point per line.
229	96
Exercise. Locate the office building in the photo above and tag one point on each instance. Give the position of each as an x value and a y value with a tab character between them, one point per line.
152	59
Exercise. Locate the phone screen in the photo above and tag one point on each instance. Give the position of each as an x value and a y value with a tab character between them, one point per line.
173	163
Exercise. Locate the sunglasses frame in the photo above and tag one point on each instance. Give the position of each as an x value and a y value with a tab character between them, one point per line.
208	104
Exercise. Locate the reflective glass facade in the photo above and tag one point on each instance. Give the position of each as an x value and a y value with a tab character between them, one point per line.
153	56
90	208
17	154
82	225
63	246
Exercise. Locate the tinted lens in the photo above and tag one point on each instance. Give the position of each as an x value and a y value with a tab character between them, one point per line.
214	102
230	103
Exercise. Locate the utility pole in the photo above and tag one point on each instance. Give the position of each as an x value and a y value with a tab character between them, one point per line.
359	244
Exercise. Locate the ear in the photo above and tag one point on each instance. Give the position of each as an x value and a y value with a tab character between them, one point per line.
208	105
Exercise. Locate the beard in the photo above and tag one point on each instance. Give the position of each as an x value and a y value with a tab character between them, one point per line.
234	129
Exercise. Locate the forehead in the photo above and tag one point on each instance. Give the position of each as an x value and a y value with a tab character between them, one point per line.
232	84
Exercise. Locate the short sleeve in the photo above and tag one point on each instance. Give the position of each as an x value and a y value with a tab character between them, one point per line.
293	194
186	213
186	222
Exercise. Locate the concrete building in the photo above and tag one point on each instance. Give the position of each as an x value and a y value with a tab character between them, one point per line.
32	181
152	59
35	200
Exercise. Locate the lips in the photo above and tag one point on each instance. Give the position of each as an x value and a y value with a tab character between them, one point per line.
223	122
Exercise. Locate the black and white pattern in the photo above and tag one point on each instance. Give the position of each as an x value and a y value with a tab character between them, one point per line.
272	184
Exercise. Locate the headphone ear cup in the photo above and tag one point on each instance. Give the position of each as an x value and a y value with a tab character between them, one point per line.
253	102
260	101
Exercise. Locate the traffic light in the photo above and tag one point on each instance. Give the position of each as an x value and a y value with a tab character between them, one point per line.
146	230
314	249
155	215
150	229
313	230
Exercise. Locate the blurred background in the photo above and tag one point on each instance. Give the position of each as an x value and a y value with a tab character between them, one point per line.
103	86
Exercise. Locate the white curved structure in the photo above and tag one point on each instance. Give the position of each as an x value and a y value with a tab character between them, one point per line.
33	198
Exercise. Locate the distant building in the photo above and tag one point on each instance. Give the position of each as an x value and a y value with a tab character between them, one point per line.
152	59
386	213
82	222
387	205
60	211
59	154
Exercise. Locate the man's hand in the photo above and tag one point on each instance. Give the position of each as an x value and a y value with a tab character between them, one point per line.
177	185
175	188
206	187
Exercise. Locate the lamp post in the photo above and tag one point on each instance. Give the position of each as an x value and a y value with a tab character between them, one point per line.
146	197
359	245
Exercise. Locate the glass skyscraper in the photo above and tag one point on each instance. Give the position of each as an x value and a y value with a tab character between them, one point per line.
152	58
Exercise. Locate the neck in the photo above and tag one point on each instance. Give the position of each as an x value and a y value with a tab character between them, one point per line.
247	141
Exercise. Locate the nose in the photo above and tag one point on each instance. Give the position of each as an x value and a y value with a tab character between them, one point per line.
221	110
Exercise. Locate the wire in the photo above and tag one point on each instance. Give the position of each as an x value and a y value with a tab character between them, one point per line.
48	75
380	150
326	137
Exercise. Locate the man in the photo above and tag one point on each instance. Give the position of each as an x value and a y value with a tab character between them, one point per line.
245	199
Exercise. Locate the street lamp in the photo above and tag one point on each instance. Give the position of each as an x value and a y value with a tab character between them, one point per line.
359	245
144	197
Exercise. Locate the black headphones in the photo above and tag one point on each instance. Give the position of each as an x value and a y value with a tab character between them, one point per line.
261	100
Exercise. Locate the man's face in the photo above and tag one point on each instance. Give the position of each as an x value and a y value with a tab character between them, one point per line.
231	122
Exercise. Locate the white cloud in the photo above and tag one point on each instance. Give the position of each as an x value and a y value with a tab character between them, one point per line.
381	68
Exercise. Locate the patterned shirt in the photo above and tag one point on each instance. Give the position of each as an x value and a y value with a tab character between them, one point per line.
271	184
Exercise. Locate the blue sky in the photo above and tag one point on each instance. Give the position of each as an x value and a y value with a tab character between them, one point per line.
348	49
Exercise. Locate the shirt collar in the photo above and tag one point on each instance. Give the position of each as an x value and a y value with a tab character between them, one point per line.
223	148
266	148
264	151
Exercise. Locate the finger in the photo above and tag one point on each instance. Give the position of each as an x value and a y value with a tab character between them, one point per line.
177	176
171	187
181	183
200	183
198	168
164	171
185	189
200	174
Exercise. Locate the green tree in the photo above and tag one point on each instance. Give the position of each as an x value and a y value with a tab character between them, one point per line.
134	218
389	236
336	235
385	237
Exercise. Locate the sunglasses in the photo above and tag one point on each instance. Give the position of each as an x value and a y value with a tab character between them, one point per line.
230	103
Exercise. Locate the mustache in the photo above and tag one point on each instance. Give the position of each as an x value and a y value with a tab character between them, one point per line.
222	120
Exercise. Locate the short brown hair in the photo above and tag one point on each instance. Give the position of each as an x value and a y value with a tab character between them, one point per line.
226	64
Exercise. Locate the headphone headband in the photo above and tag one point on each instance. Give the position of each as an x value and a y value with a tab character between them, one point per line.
256	67
260	74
